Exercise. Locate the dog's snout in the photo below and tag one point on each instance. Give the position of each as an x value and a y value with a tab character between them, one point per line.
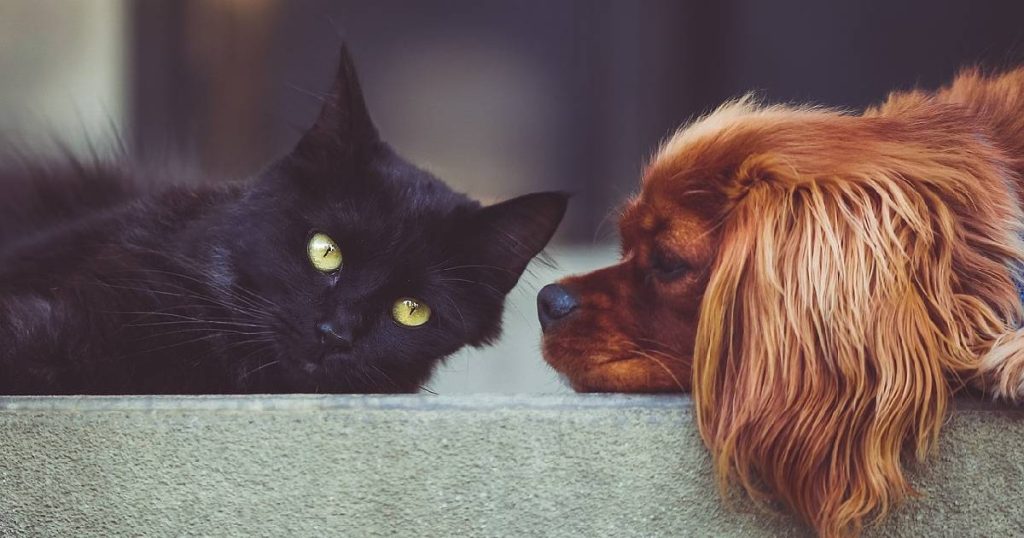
554	302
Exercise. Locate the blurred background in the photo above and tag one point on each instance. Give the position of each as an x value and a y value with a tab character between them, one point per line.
497	98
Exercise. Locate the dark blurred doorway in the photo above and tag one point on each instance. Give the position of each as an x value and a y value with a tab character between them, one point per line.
503	98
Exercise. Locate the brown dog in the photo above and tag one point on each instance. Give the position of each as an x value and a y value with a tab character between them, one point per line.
823	282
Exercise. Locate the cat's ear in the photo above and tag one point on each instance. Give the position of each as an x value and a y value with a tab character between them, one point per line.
507	235
344	128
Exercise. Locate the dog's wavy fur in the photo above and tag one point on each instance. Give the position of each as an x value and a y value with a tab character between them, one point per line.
860	270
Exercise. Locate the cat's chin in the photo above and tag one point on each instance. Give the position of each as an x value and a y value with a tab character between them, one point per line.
306	373
311	368
320	364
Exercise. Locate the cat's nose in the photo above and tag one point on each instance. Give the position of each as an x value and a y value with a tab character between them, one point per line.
334	336
554	302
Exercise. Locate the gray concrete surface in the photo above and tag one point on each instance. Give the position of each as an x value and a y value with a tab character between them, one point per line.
433	466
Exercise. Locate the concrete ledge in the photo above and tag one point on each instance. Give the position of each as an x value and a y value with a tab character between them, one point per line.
432	466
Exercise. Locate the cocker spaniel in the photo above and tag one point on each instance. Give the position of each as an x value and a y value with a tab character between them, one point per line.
823	283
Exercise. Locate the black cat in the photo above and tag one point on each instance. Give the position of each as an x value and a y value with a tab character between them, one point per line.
340	268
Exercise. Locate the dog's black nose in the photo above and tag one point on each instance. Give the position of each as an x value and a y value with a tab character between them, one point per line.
554	302
335	337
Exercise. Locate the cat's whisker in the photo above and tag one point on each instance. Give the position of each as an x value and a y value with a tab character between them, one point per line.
248	314
431	268
184	318
172	319
210	283
197	322
216	334
388	377
251	355
384	374
230	293
179	344
258	368
490	267
458	310
475	282
216	331
322	98
213	301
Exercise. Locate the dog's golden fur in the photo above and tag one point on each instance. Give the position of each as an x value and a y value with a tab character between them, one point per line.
842	276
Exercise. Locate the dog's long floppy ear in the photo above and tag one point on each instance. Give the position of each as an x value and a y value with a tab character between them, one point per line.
836	311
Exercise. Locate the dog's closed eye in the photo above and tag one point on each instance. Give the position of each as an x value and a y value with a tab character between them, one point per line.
667	266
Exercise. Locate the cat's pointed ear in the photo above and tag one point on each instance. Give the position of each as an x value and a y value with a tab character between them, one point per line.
507	235
344	127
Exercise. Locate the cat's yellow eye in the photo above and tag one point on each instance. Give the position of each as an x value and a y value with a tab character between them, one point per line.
410	312
323	253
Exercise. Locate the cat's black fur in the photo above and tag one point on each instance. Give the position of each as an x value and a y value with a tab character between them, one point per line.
108	287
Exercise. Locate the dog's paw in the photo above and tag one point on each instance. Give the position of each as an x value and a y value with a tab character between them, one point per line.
1016	383
1002	369
1011	387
